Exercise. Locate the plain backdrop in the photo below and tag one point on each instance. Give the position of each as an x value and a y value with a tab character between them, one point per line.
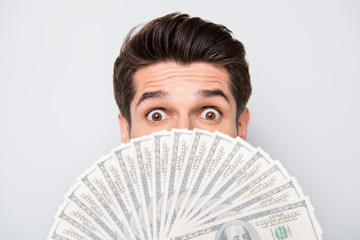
58	114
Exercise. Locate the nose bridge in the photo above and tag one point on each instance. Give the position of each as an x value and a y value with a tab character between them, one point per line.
184	121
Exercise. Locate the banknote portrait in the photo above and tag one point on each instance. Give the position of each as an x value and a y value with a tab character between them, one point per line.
237	230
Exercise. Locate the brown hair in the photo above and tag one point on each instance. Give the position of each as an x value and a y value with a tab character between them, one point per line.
182	39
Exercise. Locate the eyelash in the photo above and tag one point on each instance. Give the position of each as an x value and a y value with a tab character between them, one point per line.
152	109
202	109
216	108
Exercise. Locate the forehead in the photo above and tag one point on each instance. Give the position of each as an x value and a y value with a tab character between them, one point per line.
170	75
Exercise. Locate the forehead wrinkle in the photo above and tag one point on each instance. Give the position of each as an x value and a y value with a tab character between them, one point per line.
212	93
157	73
174	79
153	94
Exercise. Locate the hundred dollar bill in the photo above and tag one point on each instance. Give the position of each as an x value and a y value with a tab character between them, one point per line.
182	141
220	158
254	167
276	175
129	165
106	194
162	154
112	171
239	154
276	197
237	161
219	144
64	230
198	152
145	148
81	196
82	222
262	163
183	185
286	193
291	221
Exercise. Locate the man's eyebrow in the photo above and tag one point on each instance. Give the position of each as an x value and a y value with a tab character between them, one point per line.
212	93
154	94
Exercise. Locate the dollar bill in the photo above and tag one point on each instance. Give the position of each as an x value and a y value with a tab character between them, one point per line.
145	148
182	141
63	229
291	221
81	196
104	190
219	146
111	169
276	197
129	165
237	156
275	176
162	148
258	164
81	222
184	184
197	154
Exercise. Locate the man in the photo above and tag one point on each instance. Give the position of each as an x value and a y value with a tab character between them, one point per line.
182	72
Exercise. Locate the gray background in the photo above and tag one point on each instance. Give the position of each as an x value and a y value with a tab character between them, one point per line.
58	114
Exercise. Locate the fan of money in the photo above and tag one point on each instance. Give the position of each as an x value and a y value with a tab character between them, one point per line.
183	184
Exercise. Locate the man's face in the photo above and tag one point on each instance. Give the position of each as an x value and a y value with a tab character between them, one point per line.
169	95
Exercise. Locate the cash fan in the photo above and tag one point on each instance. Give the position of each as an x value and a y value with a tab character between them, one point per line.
184	184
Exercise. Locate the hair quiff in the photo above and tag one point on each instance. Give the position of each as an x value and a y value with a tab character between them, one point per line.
182	39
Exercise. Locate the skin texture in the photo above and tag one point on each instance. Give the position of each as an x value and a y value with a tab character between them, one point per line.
169	95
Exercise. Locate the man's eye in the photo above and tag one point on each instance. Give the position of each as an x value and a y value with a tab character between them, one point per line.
156	115
210	114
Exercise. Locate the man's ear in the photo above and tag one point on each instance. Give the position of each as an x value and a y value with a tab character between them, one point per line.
124	129
243	123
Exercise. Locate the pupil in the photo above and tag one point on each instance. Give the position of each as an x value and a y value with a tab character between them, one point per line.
210	115
156	117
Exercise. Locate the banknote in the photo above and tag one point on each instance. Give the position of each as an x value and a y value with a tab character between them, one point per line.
110	168
186	184
81	196
162	154
258	164
63	229
198	151
104	190
82	223
241	151
291	221
129	165
275	176
276	197
219	148
145	148
182	141
238	155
